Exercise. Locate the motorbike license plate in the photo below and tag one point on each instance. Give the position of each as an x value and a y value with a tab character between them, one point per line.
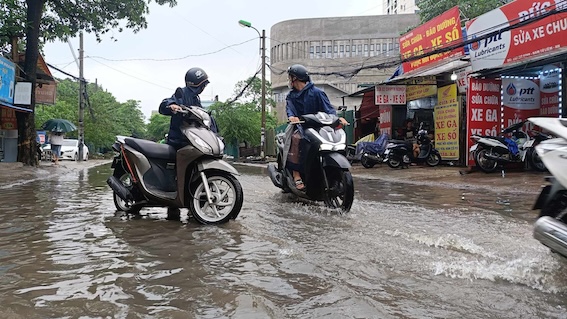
473	148
529	143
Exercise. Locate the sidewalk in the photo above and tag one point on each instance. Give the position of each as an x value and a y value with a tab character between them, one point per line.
16	172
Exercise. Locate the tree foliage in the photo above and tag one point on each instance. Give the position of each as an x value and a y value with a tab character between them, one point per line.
429	9
241	121
45	20
111	117
158	127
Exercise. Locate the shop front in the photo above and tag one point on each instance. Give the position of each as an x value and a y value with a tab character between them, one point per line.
519	73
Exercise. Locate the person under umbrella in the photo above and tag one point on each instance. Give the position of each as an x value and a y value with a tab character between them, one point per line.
56	140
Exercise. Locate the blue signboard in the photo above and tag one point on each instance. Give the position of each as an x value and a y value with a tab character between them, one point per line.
7	80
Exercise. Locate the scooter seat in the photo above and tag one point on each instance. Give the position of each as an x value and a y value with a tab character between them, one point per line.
152	149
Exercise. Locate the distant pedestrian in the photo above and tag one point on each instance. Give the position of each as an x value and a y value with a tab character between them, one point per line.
56	140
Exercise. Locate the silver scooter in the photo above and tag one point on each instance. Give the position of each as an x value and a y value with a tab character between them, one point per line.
149	174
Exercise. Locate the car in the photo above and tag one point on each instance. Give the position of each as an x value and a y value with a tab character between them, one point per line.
70	150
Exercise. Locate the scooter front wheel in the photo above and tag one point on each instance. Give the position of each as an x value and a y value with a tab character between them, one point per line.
226	197
366	162
433	159
341	189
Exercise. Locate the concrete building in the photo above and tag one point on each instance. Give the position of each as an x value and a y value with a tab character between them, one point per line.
399	6
343	54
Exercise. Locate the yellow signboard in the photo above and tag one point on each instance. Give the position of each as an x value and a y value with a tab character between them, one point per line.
447	122
414	92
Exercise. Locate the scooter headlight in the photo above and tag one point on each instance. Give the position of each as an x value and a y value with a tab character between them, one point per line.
201	144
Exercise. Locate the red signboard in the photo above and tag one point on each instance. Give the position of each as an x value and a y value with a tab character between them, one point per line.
530	40
549	88
520	100
386	119
483	109
8	119
439	32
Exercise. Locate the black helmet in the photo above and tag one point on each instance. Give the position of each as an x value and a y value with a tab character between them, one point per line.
195	77
300	72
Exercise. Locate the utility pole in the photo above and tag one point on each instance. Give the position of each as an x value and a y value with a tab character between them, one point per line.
81	99
263	136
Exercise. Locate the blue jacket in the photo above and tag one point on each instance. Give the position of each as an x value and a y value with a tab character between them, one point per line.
182	96
310	100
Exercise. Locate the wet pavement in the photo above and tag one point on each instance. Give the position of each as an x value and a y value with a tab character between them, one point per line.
418	243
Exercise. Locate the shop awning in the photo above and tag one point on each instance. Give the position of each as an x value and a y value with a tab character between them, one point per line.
17	108
445	67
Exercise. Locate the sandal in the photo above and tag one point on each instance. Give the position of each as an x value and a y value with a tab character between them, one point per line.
299	185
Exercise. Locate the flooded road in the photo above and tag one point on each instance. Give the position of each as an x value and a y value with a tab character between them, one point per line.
403	251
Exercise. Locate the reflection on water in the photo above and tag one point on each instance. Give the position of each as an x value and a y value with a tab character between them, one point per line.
403	251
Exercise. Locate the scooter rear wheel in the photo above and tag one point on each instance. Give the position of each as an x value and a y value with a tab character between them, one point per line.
366	162
227	198
394	163
433	159
485	165
119	203
535	161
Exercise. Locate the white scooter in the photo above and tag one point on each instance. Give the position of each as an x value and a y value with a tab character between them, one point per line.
551	227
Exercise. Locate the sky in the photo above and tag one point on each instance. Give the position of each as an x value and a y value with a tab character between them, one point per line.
149	65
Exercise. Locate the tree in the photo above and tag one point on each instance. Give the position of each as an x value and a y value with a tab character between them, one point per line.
429	9
60	19
158	127
241	122
111	117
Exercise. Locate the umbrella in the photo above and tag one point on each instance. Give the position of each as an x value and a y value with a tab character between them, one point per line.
58	125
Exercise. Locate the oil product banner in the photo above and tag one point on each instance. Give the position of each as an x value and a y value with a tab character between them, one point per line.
520	99
439	32
549	88
483	110
415	92
7	80
529	40
447	122
386	119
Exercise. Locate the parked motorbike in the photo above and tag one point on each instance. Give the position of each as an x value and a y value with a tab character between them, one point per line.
551	226
326	170
368	153
400	153
489	152
149	174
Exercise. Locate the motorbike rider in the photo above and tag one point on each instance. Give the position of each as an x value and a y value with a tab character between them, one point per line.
195	82
304	98
196	79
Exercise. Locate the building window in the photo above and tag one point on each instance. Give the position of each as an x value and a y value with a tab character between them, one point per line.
311	51
384	48
317	52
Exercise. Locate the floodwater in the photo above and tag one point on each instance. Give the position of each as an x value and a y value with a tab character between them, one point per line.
403	251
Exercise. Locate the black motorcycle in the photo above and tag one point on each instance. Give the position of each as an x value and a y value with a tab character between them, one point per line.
400	153
326	173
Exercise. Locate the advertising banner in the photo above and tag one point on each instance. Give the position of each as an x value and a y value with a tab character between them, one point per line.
549	88
439	32
414	92
386	119
529	40
447	122
483	109
390	94
7	80
8	119
520	99
46	94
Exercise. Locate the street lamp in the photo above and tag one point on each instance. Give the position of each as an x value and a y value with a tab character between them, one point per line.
262	36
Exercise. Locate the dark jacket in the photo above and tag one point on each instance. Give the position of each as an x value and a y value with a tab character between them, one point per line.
310	100
182	96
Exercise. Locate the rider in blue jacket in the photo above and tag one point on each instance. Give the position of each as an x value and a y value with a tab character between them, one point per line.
304	98
195	82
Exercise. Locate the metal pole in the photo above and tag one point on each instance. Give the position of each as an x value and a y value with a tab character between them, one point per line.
81	102
263	136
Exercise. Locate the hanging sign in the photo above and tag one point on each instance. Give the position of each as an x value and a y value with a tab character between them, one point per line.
7	80
447	122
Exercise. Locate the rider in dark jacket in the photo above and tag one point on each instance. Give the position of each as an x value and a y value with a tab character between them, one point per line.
195	82
304	98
